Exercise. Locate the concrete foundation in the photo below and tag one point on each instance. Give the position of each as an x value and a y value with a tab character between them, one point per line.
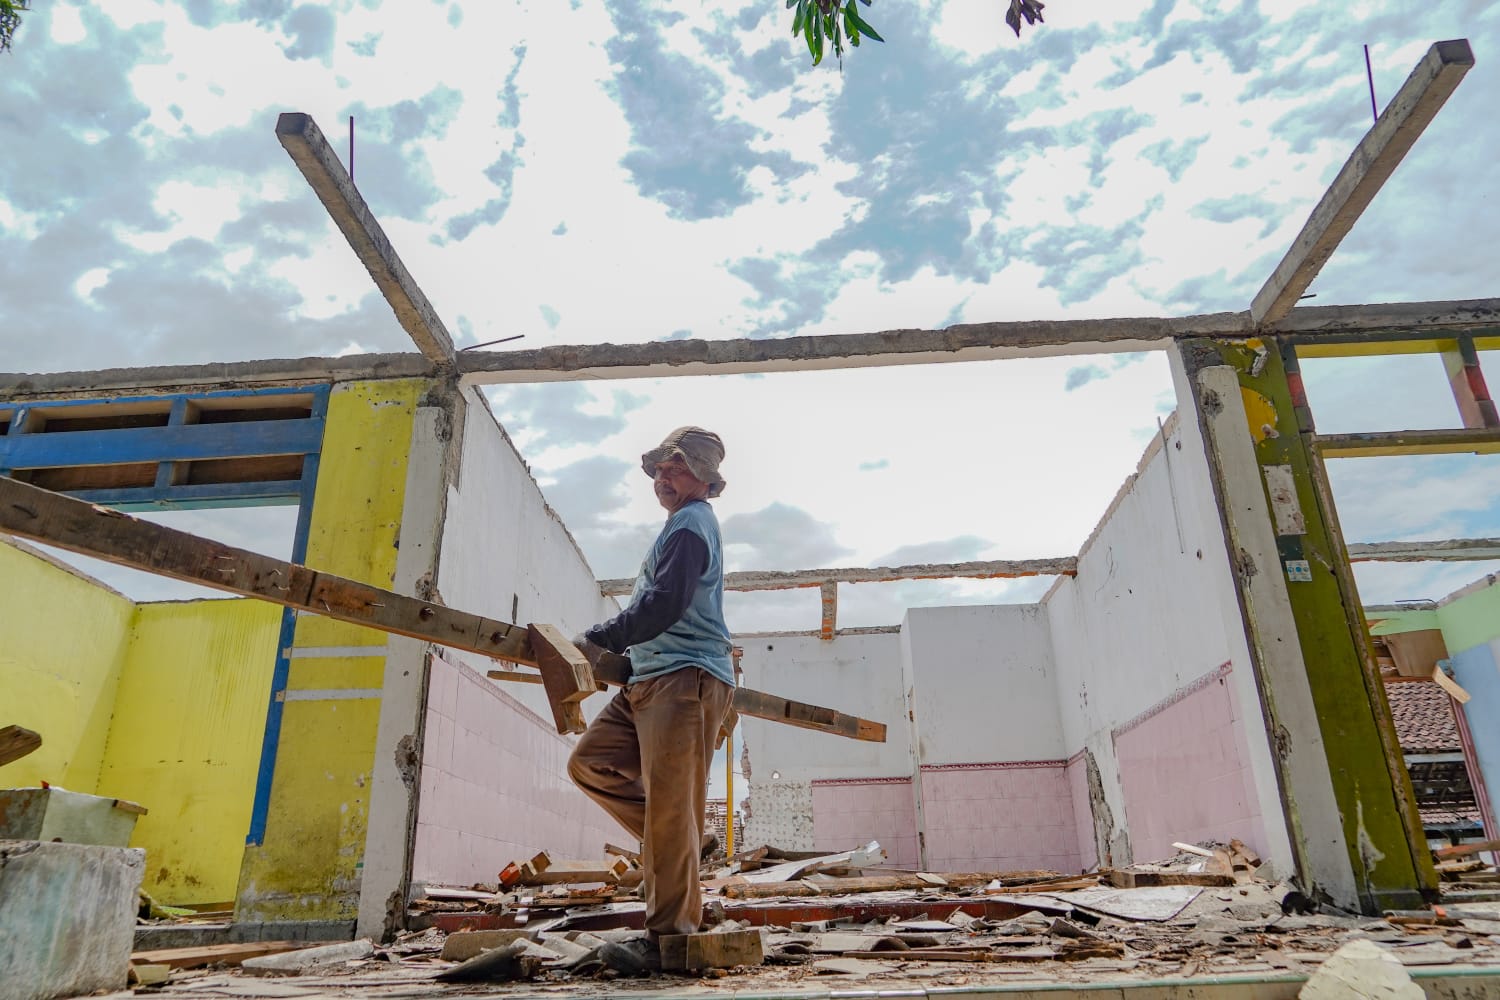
67	917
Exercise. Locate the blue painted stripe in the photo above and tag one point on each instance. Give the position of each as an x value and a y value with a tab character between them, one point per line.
260	807
186	442
197	496
302	390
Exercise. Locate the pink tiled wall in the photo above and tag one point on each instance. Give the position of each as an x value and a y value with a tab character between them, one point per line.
1077	773
998	817
495	785
1184	771
851	812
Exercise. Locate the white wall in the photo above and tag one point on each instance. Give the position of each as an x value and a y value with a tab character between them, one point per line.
502	543
982	683
856	674
1152	609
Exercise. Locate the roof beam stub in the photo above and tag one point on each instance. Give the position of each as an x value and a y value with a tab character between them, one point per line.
304	142
1372	162
830	612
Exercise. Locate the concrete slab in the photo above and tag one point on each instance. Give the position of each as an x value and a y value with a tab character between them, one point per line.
67	917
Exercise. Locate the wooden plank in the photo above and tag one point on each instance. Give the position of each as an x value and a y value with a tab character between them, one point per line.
566	674
1122	879
571	872
514	676
214	954
633	857
1373	160
692	952
1464	850
40	515
304	142
16	742
1478	440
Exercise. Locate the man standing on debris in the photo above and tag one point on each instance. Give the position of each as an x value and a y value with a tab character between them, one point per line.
645	759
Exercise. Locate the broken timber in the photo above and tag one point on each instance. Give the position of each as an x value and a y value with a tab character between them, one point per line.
304	142
55	519
1368	167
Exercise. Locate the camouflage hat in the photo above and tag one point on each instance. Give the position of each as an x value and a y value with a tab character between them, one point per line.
700	450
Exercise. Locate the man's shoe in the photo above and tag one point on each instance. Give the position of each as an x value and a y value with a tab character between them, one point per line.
637	957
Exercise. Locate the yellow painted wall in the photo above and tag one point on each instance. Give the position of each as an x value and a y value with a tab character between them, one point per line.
308	868
189	718
61	650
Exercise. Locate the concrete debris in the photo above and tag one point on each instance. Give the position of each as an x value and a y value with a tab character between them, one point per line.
1361	970
867	923
291	963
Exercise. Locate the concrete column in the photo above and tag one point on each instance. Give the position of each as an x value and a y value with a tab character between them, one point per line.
396	778
1348	805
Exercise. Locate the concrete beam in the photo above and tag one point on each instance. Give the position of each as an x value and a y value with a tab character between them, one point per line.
1470	393
304	141
1308	327
999	569
1478	440
1448	550
1373	160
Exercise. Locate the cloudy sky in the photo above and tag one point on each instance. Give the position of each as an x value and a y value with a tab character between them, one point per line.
633	171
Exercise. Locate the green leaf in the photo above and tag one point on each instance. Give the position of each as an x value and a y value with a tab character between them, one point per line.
797	21
807	33
818	39
850	26
864	28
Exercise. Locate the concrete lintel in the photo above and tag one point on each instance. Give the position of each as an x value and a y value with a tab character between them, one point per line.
1363	174
1308	327
1447	550
304	142
998	569
209	377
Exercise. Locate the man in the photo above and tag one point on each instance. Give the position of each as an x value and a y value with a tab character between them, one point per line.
645	758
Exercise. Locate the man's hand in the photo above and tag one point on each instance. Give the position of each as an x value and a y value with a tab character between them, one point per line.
591	651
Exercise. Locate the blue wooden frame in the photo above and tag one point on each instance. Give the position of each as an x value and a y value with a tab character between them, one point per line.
178	441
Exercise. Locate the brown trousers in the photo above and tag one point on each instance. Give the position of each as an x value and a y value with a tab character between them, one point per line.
645	759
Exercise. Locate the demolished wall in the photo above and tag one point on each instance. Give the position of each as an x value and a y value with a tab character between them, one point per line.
810	790
494	783
991	789
1157	693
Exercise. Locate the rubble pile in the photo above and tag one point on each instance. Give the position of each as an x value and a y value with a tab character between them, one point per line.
779	919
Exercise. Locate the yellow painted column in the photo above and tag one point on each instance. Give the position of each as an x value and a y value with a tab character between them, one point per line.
309	865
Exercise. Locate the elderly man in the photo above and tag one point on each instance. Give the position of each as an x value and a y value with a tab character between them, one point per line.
645	759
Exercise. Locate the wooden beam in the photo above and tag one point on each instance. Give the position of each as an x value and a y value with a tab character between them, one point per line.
998	569
615	670
40	515
566	674
304	141
1346	327
1478	440
16	742
1373	160
1447	550
54	519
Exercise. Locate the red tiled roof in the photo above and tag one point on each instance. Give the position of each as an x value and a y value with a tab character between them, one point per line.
1424	717
1433	817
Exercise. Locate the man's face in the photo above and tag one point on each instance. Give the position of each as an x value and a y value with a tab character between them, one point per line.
677	486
